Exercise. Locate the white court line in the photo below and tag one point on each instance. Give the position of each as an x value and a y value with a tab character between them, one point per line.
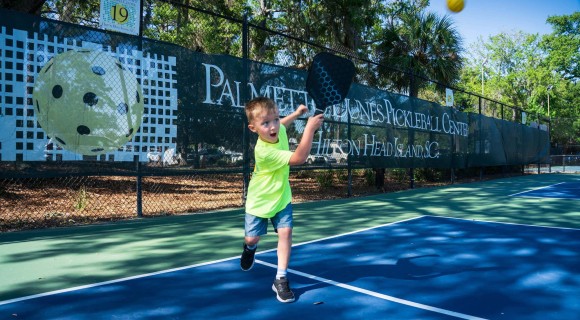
501	222
376	294
88	286
92	285
515	194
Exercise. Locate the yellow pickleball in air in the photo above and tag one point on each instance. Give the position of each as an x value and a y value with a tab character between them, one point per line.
455	5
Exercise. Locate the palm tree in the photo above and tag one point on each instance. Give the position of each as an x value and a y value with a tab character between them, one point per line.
423	46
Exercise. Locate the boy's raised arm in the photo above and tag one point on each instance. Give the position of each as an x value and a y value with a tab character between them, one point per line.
287	120
303	150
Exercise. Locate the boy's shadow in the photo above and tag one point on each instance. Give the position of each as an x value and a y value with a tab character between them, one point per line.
412	268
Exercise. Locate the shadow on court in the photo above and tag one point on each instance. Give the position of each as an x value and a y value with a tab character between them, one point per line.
488	270
404	269
424	268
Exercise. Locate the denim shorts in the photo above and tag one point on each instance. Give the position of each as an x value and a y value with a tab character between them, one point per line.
256	226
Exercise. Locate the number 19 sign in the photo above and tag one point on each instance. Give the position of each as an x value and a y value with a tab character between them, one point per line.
120	15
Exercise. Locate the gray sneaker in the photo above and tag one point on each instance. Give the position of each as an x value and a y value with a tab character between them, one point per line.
282	288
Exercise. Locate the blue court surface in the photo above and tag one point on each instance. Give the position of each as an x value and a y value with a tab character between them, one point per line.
562	190
423	268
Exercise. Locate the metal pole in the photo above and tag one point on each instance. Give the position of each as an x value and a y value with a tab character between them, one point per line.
139	186
549	104
245	138
411	133
139	183
482	64
348	157
480	139
548	92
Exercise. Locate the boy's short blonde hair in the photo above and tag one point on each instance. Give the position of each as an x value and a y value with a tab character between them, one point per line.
257	105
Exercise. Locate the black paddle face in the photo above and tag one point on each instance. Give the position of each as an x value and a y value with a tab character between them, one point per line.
329	79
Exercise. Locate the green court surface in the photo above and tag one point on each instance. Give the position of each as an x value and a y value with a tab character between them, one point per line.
33	262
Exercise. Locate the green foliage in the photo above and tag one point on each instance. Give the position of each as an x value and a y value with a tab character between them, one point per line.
538	74
196	30
305	174
81	199
562	46
342	175
83	12
564	59
398	174
369	177
430	174
342	25
325	178
222	162
424	44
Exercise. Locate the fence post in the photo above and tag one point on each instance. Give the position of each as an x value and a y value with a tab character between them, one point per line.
139	183
549	143
453	158
139	186
539	160
243	94
141	5
411	133
480	138
564	163
504	167
348	157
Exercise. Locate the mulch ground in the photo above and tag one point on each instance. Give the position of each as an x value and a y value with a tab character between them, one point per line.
54	202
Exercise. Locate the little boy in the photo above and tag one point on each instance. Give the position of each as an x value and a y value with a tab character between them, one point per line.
269	195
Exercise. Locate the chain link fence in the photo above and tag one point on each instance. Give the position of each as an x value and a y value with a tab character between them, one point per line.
138	149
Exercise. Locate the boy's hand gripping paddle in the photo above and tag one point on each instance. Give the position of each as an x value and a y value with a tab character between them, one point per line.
329	79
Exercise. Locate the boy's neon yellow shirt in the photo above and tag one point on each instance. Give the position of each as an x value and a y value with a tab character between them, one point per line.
269	190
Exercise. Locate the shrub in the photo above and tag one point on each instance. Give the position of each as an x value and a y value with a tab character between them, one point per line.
325	178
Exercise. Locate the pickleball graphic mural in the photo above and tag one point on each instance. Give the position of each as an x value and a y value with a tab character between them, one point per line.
88	102
66	98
